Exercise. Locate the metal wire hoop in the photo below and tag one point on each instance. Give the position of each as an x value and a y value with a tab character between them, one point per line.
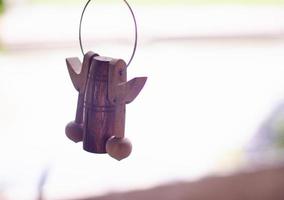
135	26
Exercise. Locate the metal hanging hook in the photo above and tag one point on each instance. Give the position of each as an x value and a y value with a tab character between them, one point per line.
135	25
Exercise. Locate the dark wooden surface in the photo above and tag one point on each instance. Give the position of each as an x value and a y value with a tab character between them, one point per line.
99	112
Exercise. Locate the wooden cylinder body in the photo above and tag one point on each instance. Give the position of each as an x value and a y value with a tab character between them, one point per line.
102	118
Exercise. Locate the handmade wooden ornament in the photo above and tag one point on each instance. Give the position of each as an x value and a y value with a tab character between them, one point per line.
103	93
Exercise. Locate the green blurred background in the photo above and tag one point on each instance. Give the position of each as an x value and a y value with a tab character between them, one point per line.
1	6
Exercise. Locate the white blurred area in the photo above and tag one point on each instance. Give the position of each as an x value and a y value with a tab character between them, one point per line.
215	73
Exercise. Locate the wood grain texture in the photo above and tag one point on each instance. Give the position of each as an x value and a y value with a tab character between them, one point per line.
99	112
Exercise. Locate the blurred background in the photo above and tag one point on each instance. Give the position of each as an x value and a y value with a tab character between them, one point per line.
213	104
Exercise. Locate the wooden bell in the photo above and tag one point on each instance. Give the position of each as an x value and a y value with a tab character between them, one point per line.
103	93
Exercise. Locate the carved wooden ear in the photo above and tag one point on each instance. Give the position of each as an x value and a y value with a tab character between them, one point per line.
79	72
120	91
74	68
132	88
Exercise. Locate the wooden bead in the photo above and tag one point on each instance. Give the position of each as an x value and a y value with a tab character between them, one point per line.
118	148
74	132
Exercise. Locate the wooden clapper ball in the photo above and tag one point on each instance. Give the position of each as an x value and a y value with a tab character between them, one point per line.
103	93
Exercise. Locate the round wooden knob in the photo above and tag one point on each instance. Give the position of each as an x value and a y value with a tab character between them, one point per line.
74	131
118	148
